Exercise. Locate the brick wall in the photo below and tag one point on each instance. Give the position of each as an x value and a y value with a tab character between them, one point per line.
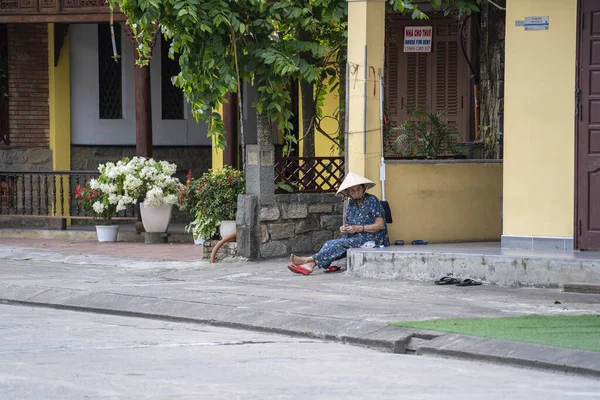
28	85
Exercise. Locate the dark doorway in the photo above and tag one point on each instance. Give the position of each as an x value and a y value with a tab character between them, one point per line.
587	235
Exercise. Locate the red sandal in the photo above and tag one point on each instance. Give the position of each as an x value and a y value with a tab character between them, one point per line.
297	269
333	268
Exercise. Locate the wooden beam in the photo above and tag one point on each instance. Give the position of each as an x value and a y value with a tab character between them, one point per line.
61	18
230	122
143	112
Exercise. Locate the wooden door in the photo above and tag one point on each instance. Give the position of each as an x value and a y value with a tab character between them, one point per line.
588	129
438	80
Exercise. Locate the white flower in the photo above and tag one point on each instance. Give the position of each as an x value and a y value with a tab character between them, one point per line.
98	207
108	188
113	198
94	184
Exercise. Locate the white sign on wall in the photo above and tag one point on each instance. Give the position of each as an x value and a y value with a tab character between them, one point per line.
417	39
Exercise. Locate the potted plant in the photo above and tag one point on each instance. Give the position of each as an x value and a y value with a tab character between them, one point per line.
428	136
215	201
154	184
188	203
103	198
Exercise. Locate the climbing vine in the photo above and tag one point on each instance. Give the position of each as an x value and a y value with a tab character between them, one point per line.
222	42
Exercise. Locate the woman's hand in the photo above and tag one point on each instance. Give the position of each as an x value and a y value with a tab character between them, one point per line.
351	228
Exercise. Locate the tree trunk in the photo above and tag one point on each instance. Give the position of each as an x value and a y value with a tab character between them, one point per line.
491	90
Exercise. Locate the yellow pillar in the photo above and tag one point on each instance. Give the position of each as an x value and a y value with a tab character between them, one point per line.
60	104
217	154
60	108
366	35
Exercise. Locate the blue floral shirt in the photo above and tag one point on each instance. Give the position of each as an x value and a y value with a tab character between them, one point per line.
365	214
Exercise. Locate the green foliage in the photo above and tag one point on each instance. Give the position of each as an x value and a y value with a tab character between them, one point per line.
219	43
491	141
212	198
428	136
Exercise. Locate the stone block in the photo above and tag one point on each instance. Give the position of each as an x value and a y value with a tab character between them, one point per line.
286	198
156	237
311	198
332	198
320	208
302	244
308	224
273	249
320	237
264	233
55	224
331	222
269	213
281	231
294	211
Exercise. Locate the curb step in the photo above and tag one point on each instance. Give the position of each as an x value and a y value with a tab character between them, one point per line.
580	287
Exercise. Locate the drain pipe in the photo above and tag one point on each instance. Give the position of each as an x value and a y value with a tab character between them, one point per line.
213	253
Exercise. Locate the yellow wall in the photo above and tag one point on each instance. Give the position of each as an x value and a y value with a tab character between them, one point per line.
539	120
444	202
60	104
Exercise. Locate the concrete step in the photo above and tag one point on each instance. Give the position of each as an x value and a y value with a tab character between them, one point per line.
487	264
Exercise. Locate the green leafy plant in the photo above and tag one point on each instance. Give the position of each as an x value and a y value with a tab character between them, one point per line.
491	141
267	43
212	198
428	136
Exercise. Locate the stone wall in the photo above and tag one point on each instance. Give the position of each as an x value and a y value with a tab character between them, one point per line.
36	158
299	223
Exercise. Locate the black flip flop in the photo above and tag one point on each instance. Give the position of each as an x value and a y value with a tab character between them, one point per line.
447	280
468	282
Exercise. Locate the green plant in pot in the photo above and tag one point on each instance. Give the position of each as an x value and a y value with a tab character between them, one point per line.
427	136
211	199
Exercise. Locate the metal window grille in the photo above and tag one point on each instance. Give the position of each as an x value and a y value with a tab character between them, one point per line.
171	96
109	73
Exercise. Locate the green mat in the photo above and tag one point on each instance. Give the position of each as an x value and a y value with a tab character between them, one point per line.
577	332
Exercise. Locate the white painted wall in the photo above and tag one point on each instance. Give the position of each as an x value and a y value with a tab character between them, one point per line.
88	129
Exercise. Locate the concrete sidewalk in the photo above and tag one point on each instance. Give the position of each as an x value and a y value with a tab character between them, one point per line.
172	282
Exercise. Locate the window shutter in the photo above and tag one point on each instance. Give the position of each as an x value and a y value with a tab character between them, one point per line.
392	86
417	83
438	80
451	77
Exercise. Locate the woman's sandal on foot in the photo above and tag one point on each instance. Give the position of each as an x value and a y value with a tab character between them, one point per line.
333	268
297	269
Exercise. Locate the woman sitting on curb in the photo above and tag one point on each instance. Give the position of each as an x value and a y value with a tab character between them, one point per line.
365	222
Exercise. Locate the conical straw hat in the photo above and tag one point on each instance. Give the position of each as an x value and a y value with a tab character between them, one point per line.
353	179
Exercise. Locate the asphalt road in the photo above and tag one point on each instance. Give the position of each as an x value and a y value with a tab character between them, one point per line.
56	354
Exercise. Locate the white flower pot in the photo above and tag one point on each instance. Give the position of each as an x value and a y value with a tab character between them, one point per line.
227	228
107	233
156	219
199	240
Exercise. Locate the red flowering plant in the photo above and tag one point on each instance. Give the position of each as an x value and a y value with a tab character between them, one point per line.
92	201
188	196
